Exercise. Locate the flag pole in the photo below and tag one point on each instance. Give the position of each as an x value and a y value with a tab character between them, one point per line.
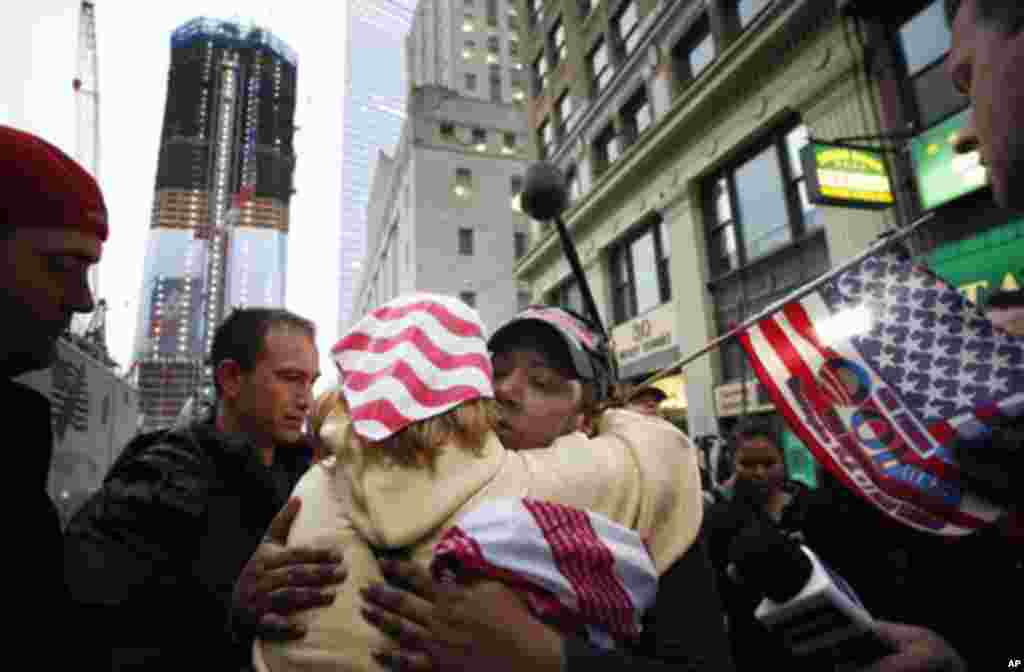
887	239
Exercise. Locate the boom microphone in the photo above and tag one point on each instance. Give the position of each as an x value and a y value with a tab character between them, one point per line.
815	611
545	195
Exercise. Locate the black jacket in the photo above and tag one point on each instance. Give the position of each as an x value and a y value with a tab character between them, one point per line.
153	556
968	590
39	586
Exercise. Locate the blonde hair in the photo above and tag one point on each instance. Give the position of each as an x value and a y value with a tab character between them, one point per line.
330	405
419	444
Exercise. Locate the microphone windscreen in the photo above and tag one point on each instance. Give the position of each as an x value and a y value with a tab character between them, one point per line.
544	192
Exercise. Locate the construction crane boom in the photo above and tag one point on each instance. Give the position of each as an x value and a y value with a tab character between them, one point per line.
86	89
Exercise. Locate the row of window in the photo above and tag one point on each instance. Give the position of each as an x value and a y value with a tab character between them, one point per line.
479	138
753	208
691	55
467	243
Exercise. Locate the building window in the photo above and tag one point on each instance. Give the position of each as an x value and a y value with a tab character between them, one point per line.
606	149
513	21
463	182
546	138
495	88
637	116
466	242
925	40
747	10
513	48
694	52
480	139
565	112
493	49
468	24
536	9
518	95
600	66
523	299
760	204
639	270
492	13
470	81
572	179
627	24
584	6
540	74
556	42
508	143
468	50
516	192
567	295
447	131
519	241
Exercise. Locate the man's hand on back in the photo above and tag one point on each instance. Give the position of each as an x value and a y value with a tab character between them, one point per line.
279	581
480	625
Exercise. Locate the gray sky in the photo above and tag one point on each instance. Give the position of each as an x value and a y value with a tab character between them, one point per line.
37	47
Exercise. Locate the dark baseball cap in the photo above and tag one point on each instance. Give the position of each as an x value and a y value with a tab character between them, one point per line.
582	348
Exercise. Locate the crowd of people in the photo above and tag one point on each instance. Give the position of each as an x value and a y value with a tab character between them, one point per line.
461	503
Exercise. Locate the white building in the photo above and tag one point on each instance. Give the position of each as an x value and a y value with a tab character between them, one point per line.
443	212
469	46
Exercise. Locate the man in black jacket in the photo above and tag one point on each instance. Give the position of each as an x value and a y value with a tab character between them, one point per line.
53	223
153	556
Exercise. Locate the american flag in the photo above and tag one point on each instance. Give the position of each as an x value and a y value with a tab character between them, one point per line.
879	370
415	357
576	569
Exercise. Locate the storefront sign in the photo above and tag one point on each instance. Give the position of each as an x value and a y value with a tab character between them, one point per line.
845	177
729	399
646	335
942	174
984	264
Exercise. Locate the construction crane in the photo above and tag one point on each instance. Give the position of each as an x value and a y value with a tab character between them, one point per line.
86	87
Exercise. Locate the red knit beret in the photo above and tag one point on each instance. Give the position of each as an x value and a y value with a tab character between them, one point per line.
40	186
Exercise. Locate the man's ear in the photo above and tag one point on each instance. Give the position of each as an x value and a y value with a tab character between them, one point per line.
229	378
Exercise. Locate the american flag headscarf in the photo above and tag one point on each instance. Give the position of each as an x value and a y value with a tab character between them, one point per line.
415	357
577	570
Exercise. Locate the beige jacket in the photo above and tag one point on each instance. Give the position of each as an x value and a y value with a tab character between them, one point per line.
640	472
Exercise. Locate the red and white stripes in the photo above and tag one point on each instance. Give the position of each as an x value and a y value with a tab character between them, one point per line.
413	358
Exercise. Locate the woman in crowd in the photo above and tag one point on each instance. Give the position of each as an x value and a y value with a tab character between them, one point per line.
421	453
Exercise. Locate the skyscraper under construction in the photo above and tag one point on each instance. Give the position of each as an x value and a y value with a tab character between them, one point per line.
219	227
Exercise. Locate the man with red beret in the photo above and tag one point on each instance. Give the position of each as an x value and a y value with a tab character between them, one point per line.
53	223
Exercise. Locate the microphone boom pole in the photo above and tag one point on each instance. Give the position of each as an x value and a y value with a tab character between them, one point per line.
544	198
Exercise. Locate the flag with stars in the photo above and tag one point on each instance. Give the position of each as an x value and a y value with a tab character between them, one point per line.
879	371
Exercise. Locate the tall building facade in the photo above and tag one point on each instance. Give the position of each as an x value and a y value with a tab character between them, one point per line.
219	227
468	46
374	107
679	126
444	214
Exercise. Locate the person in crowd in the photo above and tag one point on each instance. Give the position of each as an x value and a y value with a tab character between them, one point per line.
421	451
760	487
546	364
152	557
646	400
53	224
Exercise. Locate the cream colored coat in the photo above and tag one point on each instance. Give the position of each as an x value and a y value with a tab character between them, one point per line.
640	472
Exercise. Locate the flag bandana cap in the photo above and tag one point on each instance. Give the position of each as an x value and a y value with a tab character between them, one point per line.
415	357
880	371
578	338
578	570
